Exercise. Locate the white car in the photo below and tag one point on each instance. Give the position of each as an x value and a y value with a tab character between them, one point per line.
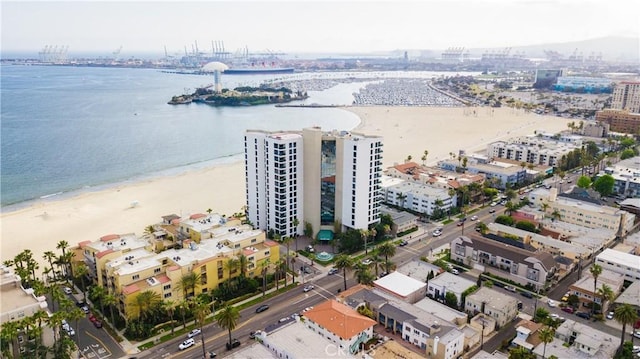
67	290
554	316
474	218
186	344
308	288
71	332
367	261
610	315
437	233
636	334
552	303
636	349
194	332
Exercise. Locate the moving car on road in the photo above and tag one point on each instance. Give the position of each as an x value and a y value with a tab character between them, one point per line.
234	344
186	344
262	308
308	288
193	333
333	271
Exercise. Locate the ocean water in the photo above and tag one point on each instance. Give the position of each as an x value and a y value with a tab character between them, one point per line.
70	129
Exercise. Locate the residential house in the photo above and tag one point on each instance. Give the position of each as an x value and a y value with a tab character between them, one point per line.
502	308
449	283
577	340
584	289
340	324
624	263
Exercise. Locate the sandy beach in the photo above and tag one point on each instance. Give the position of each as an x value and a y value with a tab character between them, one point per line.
406	131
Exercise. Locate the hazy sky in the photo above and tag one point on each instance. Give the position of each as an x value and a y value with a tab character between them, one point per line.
309	26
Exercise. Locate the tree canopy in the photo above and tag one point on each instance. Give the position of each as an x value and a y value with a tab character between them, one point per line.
604	185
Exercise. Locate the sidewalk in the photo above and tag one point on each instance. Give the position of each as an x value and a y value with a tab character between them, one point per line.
132	347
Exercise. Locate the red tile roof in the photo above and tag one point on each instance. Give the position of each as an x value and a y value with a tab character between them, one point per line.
269	243
83	243
197	215
104	253
110	237
172	268
339	319
132	288
162	278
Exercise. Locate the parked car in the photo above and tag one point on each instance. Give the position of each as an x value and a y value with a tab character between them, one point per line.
519	305
252	335
567	309
610	315
636	334
455	271
474	218
492	210
97	324
234	344
565	297
367	261
80	304
307	270
437	233
308	288
193	333
85	309
67	290
262	308
310	248
71	332
403	243
510	288
527	294
333	271
92	318
186	344
212	354
584	315
552	303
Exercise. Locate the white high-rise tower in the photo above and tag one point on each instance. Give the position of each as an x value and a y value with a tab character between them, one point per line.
315	177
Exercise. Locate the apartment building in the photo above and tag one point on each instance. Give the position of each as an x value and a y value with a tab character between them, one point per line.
418	197
626	174
314	177
576	340
504	260
499	173
619	262
502	308
583	288
339	323
449	283
548	244
582	213
532	150
134	268
18	304
626	96
621	121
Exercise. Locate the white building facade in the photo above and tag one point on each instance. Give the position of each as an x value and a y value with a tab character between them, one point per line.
312	176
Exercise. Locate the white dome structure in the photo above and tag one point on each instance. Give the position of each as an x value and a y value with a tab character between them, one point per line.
214	66
217	68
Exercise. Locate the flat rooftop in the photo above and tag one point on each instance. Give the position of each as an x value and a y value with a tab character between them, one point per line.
400	284
624	259
452	282
300	341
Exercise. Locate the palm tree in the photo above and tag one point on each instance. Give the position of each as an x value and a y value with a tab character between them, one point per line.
188	283
169	306
110	300
345	263
9	334
376	261
595	270
555	215
363	275
624	314
144	303
545	206
546	334
63	245
510	207
81	272
287	242
200	312
50	256
98	293
606	293
227	318
232	265
264	268
364	235
401	198
242	265
424	157
295	222
387	250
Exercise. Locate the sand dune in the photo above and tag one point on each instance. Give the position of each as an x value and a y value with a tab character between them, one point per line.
406	131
